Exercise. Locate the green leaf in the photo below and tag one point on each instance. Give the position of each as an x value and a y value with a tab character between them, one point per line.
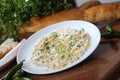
13	13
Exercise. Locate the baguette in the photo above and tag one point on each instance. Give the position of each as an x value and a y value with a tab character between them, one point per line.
89	4
35	20
94	14
5	48
102	13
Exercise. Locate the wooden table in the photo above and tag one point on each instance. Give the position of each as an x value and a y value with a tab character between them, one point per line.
103	64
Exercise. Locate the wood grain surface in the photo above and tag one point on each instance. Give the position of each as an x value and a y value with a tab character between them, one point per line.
99	66
103	64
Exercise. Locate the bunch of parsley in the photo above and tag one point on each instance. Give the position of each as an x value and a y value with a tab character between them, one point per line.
13	13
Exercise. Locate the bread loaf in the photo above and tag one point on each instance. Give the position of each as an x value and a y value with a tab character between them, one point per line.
94	14
89	4
5	48
102	12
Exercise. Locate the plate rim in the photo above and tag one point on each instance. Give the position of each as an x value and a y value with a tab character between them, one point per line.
49	26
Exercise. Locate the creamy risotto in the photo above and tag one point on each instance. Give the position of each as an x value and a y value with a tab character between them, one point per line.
60	48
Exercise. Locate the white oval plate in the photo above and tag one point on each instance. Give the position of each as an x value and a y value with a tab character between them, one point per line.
26	50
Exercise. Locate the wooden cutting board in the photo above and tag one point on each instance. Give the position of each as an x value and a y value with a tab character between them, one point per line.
103	64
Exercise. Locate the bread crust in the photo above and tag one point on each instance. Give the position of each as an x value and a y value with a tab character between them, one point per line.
94	14
89	4
102	12
5	48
